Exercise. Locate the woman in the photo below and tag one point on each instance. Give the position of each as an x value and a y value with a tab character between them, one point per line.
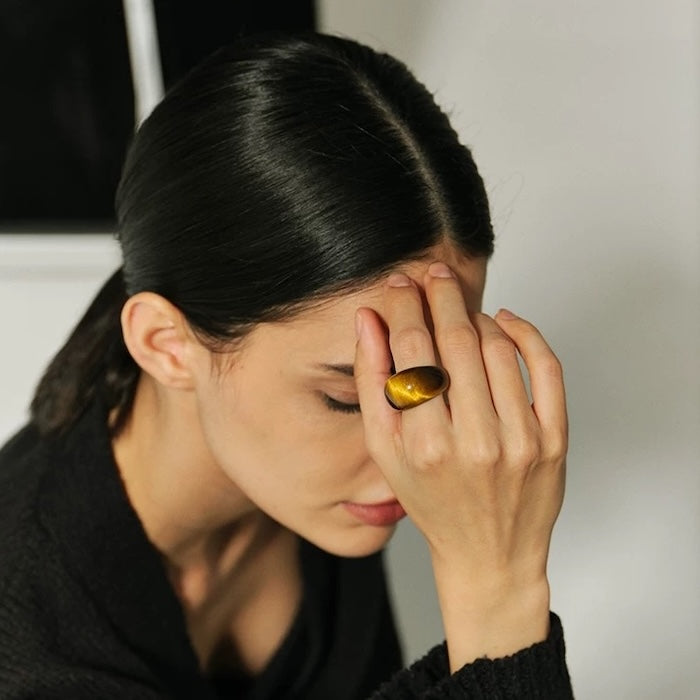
198	505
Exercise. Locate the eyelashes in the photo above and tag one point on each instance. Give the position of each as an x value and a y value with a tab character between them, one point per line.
335	405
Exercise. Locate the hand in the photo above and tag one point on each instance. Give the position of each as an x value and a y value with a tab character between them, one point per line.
482	478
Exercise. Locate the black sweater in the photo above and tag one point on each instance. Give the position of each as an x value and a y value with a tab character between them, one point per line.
87	612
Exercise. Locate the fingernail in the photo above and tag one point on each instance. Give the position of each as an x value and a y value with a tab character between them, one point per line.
439	269
358	324
399	280
506	315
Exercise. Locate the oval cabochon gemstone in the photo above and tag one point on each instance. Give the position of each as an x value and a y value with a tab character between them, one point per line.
412	387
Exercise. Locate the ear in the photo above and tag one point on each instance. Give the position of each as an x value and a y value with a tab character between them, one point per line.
160	340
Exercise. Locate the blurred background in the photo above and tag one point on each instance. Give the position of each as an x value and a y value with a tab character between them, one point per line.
585	121
78	74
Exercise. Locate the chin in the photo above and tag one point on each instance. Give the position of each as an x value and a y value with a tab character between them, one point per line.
353	542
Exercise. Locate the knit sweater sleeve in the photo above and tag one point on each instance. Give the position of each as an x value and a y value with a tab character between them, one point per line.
536	673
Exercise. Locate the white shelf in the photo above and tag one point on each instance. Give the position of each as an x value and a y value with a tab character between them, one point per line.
27	254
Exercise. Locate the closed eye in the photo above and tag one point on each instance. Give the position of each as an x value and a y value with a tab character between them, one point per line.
335	405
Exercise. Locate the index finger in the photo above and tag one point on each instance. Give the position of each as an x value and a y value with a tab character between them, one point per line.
373	365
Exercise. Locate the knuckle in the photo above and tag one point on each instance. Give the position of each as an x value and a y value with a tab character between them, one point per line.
556	446
484	323
458	338
527	452
411	343
431	452
499	346
551	367
486	454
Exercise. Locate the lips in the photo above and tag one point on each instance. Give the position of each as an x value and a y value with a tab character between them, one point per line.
377	514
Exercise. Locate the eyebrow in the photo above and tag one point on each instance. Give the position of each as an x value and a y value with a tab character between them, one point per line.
346	370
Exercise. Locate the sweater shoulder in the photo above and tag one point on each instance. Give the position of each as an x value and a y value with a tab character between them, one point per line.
55	640
29	566
23	462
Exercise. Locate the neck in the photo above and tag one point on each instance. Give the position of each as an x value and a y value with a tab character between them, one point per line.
191	511
234	569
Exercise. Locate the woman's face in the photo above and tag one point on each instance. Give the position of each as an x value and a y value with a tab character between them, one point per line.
282	421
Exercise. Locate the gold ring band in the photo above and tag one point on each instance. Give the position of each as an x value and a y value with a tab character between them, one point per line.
413	386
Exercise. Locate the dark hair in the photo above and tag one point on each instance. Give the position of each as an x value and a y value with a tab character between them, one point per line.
279	171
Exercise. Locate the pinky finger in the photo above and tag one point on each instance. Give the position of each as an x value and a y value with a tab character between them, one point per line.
546	377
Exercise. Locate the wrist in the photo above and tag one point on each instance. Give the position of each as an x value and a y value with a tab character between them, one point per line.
492	617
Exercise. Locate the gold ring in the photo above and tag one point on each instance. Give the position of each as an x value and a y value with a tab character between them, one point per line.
414	386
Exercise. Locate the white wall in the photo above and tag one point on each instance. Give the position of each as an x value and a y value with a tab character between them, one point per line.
585	120
45	284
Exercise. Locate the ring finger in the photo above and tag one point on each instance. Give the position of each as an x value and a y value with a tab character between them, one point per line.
411	343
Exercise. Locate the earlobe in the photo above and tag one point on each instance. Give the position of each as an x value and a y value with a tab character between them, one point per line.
159	339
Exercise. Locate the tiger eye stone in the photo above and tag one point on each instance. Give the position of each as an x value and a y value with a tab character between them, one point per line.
414	386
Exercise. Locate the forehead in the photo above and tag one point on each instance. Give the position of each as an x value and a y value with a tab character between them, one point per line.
326	332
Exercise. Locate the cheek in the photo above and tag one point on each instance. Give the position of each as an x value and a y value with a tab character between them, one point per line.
238	431
261	443
275	439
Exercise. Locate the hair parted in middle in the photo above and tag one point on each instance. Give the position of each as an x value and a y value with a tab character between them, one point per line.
278	172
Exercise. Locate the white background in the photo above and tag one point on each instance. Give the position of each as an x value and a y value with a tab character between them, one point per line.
585	120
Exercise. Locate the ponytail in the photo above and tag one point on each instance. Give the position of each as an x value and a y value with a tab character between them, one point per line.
93	363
